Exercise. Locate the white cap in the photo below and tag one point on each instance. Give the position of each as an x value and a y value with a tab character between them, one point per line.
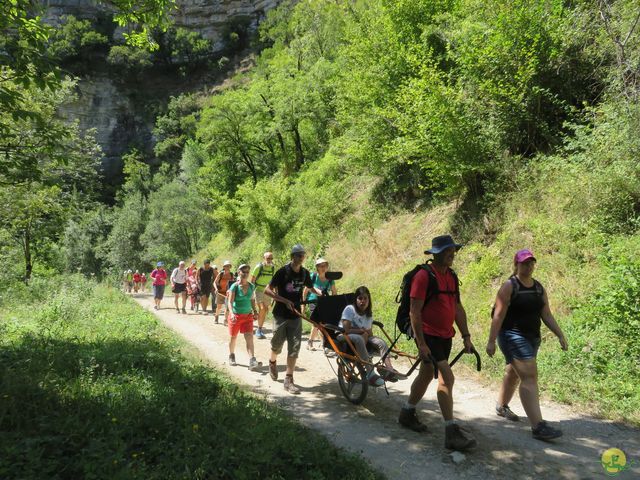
320	261
227	263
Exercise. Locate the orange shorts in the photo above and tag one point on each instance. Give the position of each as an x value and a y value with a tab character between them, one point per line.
240	323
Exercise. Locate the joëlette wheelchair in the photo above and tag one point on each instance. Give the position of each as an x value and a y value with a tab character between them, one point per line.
351	368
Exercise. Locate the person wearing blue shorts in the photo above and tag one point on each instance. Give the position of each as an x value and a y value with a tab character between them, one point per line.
520	308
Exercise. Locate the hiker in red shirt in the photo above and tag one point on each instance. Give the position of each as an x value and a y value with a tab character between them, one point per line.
137	278
432	318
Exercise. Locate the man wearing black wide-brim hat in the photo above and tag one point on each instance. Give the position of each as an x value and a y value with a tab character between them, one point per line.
435	306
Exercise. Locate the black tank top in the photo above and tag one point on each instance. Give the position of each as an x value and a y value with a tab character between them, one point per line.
525	311
206	276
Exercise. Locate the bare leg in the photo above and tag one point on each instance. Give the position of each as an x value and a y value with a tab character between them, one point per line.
262	315
508	388
248	337
527	370
291	364
184	300
445	390
232	345
421	382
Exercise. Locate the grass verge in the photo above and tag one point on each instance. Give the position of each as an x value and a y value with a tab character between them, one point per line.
91	386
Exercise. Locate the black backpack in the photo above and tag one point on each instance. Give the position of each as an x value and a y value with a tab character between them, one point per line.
516	291
403	321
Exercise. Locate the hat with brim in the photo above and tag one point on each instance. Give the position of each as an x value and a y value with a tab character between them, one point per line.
320	261
441	243
522	256
226	263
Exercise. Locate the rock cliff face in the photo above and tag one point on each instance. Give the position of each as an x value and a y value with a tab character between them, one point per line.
208	17
123	113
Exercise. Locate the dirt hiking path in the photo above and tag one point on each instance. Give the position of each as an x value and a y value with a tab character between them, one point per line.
505	449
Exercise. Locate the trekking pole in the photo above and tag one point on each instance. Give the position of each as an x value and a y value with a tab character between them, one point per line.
462	352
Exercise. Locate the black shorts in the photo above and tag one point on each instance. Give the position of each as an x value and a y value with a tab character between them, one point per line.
440	347
205	289
179	288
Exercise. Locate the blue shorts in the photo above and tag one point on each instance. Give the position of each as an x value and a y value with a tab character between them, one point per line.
515	345
158	291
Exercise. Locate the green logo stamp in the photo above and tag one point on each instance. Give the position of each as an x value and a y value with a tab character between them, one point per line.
614	461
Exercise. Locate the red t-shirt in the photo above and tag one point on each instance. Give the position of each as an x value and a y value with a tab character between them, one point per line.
159	277
137	277
440	313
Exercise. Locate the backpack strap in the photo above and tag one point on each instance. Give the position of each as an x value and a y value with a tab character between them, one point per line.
433	288
515	284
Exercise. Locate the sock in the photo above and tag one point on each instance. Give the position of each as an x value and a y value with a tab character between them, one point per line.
408	406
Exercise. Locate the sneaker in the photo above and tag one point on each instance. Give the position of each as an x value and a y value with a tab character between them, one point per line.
310	346
506	412
456	438
408	418
545	432
184	311
254	364
155	307
273	370
216	319
260	334
289	386
232	360
178	310
375	380
329	353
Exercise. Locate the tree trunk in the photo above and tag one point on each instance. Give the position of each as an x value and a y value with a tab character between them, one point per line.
28	262
298	147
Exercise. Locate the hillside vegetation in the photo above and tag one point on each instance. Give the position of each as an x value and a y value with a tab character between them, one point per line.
367	127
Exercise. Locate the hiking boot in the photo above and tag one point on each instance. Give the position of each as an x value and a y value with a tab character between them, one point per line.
253	364
329	353
184	311
545	432
178	310
260	334
408	418
310	346
232	360
156	307
507	413
456	438
375	380
289	386
273	370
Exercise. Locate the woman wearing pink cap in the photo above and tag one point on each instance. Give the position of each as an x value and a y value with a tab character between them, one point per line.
521	305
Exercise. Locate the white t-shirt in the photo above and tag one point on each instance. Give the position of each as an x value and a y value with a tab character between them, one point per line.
179	276
357	320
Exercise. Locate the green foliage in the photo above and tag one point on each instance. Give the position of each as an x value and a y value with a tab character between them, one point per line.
93	386
123	247
129	59
177	225
73	38
189	47
176	126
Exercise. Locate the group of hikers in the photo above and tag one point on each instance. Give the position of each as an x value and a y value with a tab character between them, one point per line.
245	296
134	281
